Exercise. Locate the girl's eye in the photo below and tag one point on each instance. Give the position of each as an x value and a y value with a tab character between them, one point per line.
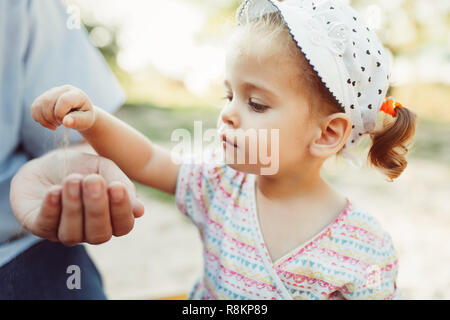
229	98
257	107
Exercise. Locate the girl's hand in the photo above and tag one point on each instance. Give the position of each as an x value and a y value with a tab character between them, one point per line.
66	105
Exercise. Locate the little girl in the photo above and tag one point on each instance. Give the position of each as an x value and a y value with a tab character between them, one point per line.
316	73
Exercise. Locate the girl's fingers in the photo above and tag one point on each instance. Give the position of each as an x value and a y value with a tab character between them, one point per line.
37	112
48	115
120	206
79	120
42	108
70	230
49	98
71	100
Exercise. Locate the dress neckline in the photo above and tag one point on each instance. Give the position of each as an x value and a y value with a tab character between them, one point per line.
298	249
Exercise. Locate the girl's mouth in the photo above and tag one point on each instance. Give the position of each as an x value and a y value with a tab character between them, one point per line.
226	141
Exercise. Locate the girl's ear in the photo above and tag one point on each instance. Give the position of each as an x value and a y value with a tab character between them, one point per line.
332	133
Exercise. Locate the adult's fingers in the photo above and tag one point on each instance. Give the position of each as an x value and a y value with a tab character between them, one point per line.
121	209
138	209
70	230
45	223
112	173
97	221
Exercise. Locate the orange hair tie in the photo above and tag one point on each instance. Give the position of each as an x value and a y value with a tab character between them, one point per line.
389	105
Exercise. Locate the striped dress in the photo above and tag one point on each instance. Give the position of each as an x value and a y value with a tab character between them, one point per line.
353	258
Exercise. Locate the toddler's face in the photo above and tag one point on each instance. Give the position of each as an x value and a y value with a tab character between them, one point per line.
263	92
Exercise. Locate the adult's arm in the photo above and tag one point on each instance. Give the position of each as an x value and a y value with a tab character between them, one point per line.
54	55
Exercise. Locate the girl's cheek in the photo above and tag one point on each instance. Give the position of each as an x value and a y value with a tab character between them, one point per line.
267	148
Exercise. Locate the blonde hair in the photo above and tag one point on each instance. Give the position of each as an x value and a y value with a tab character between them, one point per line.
389	144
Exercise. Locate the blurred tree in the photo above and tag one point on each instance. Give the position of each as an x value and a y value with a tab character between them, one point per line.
220	13
108	45
406	26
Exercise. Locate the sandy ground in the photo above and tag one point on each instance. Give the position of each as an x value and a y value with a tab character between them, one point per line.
162	255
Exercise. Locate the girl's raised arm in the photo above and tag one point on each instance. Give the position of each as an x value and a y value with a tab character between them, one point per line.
140	159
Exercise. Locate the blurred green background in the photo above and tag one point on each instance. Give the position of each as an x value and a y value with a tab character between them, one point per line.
169	55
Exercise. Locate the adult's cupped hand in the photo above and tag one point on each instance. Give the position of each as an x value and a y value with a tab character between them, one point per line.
74	197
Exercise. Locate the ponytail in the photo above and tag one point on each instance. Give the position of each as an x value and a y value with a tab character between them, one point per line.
389	145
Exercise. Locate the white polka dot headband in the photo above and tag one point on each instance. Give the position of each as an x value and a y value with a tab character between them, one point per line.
348	56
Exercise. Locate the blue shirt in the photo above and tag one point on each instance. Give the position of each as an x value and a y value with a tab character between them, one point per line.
38	52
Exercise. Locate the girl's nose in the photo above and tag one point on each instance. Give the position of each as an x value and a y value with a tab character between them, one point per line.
230	116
